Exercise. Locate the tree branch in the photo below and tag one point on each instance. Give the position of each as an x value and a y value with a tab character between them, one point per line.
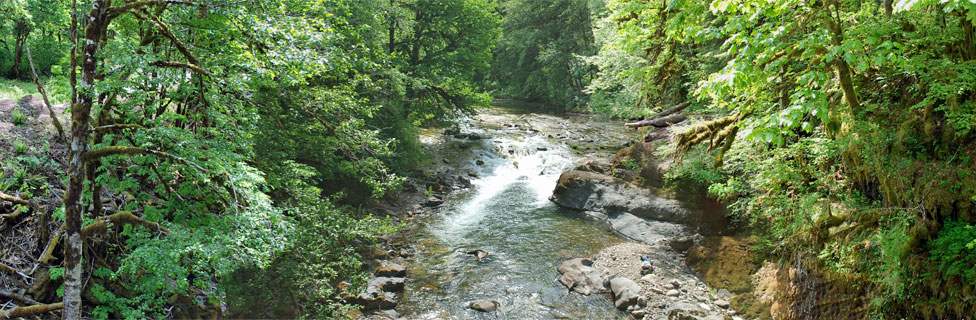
19	297
47	103
176	64
24	312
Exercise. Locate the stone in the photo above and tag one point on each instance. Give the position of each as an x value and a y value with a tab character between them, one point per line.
722	303
724	293
625	292
638	313
390	269
484	305
390	284
479	162
478	253
647	278
591	191
579	275
673	293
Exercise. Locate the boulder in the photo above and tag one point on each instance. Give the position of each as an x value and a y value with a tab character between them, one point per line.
625	292
579	275
390	269
390	284
375	298
597	165
484	305
591	191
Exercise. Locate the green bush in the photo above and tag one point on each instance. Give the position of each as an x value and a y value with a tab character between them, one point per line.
18	117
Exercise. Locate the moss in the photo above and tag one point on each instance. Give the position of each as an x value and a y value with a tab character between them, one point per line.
724	262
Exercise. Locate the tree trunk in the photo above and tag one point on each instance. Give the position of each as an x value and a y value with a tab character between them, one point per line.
392	26
22	32
80	118
843	69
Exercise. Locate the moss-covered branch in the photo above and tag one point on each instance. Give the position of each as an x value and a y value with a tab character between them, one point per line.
29	311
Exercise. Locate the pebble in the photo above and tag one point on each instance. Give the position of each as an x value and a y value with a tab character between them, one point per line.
673	293
722	303
705	306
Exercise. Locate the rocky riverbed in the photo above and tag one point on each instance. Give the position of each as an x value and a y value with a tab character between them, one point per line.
538	197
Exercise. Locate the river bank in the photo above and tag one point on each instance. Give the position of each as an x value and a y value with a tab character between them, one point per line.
488	190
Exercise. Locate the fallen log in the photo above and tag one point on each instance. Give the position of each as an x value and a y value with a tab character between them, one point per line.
658	122
659	115
24	312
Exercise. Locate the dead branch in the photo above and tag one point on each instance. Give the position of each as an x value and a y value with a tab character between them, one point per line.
11	216
119	126
24	312
10	270
663	118
47	103
15	200
49	250
19	297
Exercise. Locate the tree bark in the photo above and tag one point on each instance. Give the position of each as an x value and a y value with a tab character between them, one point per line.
22	31
80	119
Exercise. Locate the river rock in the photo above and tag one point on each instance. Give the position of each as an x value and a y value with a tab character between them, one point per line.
375	298
390	284
579	275
598	165
390	269
673	293
484	305
625	292
591	191
722	304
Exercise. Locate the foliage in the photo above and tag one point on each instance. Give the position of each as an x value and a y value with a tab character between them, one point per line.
855	126
540	56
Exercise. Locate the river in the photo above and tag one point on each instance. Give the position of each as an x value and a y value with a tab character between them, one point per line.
507	213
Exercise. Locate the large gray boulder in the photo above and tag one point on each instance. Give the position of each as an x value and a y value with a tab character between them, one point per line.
625	292
591	191
579	275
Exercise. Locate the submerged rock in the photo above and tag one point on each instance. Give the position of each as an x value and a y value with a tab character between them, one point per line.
478	253
484	305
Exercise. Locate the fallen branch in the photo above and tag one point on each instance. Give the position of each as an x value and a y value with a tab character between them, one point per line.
19	297
660	115
11	216
47	103
10	270
16	200
49	250
658	122
24	312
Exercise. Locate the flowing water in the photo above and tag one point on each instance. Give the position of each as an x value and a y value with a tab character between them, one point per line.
508	214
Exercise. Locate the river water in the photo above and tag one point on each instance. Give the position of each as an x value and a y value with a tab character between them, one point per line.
507	213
